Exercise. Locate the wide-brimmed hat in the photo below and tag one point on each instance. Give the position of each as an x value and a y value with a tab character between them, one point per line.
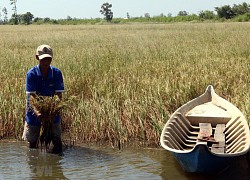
44	51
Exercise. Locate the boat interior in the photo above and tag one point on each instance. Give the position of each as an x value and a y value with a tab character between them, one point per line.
220	131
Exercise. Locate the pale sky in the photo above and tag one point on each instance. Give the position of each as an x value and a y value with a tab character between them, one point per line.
60	9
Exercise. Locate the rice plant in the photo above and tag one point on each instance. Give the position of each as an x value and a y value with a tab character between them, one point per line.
128	79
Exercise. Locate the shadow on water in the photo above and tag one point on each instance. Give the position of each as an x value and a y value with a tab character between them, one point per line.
238	170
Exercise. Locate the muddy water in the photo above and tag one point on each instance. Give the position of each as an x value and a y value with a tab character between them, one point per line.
82	162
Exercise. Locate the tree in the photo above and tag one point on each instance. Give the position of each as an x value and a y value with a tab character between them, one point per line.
106	11
162	15
241	8
169	14
46	20
0	17
69	18
5	15
128	16
225	12
15	16
182	13
27	18
38	20
206	14
147	15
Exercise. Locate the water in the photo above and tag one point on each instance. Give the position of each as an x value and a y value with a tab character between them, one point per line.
82	162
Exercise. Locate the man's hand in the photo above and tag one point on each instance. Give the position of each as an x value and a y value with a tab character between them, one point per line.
42	116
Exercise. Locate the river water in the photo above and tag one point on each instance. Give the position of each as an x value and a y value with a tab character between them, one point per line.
84	162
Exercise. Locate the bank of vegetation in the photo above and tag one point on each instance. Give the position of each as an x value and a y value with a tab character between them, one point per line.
226	13
128	79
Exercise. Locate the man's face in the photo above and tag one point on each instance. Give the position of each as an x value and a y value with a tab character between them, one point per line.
45	62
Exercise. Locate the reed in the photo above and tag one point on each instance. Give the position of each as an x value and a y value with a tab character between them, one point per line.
128	79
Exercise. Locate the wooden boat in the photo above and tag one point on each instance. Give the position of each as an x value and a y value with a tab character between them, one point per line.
206	134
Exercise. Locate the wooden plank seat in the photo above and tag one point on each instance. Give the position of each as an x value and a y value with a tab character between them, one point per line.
220	139
205	133
217	139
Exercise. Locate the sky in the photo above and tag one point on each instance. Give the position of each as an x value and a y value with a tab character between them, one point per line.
60	9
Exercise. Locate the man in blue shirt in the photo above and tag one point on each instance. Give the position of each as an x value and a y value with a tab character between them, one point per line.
42	80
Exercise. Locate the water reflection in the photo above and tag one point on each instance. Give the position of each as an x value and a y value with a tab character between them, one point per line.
239	170
44	165
86	162
12	158
19	162
108	164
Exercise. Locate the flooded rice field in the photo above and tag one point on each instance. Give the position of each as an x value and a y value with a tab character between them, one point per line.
82	162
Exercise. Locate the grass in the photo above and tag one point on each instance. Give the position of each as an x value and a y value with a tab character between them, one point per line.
128	79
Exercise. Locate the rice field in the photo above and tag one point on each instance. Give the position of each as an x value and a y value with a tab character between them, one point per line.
128	78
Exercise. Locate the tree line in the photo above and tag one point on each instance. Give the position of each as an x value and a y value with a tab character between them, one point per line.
15	17
239	12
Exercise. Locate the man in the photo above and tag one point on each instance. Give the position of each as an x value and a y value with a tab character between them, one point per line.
42	80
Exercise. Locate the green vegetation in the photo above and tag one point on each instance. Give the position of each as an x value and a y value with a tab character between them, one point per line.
237	12
128	79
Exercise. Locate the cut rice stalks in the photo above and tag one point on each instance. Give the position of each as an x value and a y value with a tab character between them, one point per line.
49	107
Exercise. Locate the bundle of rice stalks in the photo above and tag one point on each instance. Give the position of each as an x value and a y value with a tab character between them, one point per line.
49	107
